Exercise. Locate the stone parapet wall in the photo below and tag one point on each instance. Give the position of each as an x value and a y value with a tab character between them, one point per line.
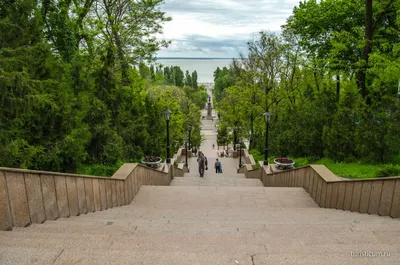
372	196
251	173
248	169
29	196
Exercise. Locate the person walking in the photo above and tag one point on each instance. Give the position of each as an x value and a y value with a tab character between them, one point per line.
218	166
203	164
194	151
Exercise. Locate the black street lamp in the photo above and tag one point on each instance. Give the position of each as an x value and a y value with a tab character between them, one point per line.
167	116
234	138
240	153
267	116
186	156
189	129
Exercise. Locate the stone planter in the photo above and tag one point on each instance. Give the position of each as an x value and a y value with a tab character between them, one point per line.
152	161
284	163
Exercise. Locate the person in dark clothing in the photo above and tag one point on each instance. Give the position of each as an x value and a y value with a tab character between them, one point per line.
203	164
218	166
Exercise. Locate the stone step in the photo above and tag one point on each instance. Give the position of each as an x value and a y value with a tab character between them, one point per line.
253	225
196	191
215	227
328	258
195	176
53	240
273	217
149	257
216	177
28	255
228	183
208	197
88	228
256	233
305	239
142	250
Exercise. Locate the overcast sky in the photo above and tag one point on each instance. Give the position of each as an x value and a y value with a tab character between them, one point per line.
219	28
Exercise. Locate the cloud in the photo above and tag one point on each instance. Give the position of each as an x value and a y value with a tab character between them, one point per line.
209	28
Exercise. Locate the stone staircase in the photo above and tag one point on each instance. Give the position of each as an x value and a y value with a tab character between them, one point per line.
208	224
220	181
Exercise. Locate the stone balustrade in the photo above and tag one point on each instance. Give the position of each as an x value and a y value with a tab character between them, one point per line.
373	196
179	157
30	196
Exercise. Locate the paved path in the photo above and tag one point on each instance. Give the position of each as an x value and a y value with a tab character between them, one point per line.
229	165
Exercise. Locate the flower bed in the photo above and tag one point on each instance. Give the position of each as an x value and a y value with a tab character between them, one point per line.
152	161
284	162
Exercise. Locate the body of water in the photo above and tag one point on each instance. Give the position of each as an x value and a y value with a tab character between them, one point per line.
205	67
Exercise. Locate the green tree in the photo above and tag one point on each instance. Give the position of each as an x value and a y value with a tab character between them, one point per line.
188	79
194	80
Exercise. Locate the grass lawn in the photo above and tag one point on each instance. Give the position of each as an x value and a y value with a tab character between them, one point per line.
353	170
350	170
345	170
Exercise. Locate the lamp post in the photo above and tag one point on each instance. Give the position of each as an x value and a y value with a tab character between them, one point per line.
240	153
167	116
234	138
189	129
186	156
267	117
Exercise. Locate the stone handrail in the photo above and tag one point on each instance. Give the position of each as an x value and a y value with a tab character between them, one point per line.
252	173
248	158
247	169
30	196
179	157
373	196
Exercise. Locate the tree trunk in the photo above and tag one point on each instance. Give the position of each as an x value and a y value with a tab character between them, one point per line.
121	57
367	48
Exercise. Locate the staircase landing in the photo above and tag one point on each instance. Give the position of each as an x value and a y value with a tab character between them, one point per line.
207	225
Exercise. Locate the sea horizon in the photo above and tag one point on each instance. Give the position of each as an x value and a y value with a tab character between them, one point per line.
196	58
204	66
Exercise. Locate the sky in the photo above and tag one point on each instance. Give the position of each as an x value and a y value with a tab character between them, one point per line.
219	28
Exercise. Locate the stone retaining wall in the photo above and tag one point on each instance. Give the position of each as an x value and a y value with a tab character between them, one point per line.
372	196
29	196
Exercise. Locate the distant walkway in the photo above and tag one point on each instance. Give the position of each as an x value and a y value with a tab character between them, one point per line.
229	165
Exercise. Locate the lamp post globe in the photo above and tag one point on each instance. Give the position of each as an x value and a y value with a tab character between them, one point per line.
167	116
267	118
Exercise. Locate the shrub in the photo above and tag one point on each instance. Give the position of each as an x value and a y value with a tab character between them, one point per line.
396	160
256	155
388	171
301	162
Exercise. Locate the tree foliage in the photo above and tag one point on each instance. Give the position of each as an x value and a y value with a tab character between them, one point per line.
330	79
74	88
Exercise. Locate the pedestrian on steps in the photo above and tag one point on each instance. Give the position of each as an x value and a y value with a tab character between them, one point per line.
203	164
194	151
218	166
